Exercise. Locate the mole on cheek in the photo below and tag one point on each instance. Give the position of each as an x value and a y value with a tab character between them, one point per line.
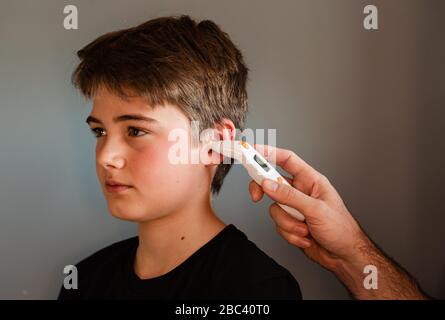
182	238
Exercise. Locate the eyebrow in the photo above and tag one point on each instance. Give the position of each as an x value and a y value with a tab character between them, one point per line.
125	117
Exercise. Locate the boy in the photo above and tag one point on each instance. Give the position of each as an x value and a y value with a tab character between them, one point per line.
146	82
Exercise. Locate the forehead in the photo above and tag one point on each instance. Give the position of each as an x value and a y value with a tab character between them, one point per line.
107	101
108	105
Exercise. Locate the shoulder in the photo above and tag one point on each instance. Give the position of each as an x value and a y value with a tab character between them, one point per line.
108	254
244	262
99	266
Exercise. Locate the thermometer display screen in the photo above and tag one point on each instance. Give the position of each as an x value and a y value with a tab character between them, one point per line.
261	163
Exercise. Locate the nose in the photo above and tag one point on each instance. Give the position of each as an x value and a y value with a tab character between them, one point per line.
110	154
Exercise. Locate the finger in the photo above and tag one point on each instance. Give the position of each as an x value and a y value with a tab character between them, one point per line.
286	222
288	195
286	159
293	239
256	192
288	179
305	178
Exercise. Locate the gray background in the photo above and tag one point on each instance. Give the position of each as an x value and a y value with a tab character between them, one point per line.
363	107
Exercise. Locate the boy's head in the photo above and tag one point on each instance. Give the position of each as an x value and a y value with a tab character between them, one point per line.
173	70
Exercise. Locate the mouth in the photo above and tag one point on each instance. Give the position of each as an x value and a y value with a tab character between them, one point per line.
117	188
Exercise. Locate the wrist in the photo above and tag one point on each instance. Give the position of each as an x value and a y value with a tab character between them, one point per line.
360	255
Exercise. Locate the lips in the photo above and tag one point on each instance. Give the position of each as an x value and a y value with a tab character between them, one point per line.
114	186
117	188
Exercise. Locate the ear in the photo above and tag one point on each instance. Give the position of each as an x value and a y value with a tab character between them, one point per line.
223	130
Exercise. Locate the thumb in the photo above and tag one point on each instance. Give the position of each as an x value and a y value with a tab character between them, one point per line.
288	195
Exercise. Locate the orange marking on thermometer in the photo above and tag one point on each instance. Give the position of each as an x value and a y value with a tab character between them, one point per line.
244	144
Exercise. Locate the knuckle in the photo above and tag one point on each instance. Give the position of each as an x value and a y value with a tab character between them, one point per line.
272	208
294	240
273	212
301	230
324	179
318	180
290	240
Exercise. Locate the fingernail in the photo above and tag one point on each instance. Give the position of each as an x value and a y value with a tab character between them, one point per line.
271	185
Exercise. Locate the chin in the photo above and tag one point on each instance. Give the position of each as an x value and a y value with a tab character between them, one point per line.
132	215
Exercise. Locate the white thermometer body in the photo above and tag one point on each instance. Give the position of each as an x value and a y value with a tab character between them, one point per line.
257	167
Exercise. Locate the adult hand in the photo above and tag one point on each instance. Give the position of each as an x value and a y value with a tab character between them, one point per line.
330	235
330	232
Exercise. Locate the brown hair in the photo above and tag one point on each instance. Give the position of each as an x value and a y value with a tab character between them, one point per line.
175	60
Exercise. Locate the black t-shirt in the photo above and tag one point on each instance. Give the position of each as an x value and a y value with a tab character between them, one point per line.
229	266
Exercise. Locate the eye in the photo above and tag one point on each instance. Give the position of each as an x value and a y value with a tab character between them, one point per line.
135	132
98	132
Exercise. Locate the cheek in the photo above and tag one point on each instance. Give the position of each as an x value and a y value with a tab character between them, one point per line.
154	171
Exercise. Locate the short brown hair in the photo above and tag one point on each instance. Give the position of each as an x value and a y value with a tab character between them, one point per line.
176	60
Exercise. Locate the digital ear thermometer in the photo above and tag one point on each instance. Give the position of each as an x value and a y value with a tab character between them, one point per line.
257	167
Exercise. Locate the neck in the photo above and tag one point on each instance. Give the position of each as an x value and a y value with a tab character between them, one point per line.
167	242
